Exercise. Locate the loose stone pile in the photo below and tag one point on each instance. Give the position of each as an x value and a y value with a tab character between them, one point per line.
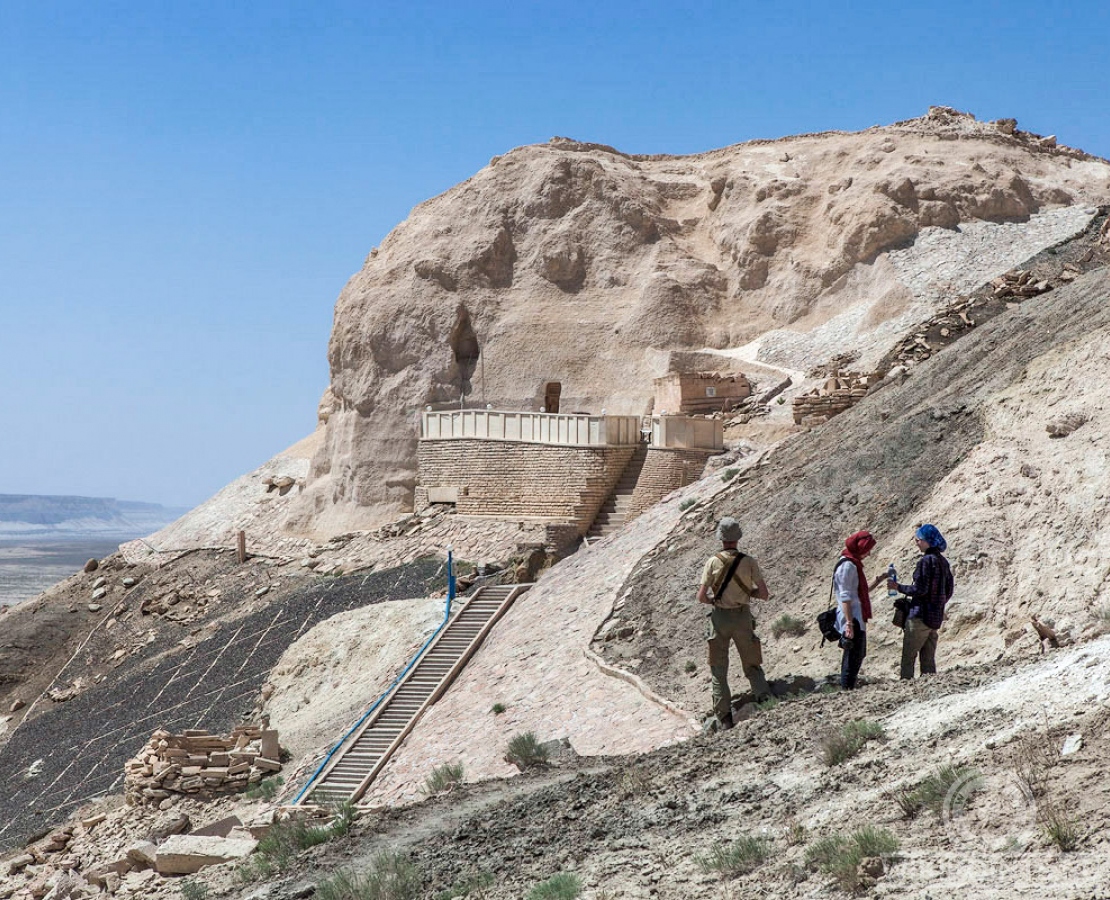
1019	283
841	391
200	764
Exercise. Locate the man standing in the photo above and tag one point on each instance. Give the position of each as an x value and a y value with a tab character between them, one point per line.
729	580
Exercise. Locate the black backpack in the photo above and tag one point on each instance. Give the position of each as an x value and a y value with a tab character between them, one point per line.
826	621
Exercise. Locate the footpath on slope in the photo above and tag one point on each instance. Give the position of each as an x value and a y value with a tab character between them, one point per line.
537	663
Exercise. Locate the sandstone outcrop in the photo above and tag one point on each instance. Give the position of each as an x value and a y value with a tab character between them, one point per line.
576	263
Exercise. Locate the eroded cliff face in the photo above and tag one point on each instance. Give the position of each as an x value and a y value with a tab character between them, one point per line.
578	264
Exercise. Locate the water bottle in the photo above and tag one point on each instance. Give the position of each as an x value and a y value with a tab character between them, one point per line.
891	575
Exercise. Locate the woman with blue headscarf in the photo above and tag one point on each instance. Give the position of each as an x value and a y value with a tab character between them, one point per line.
930	591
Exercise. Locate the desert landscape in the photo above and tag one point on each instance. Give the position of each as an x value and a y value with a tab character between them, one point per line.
920	315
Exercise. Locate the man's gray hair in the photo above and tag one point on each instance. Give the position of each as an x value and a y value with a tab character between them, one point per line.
729	530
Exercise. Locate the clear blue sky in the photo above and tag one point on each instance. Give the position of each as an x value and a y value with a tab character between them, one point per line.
186	186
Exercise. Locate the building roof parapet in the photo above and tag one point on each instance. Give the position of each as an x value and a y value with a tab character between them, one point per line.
559	429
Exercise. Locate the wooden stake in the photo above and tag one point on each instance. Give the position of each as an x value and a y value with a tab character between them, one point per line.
242	546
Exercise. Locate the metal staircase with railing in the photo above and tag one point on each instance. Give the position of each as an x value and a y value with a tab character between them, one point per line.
355	765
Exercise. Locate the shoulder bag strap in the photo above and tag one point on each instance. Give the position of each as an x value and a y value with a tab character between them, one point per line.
723	584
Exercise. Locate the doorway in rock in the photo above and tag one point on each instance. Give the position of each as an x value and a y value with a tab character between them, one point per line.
551	396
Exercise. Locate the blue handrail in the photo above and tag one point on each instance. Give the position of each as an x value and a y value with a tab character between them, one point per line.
388	690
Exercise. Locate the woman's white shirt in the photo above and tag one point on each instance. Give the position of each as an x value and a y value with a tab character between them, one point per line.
846	589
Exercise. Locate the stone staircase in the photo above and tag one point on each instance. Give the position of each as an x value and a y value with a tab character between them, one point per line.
614	511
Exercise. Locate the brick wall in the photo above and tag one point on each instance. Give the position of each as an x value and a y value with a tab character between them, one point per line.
665	471
516	480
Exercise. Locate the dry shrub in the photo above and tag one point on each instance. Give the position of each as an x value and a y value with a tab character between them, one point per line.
1033	757
844	742
1058	825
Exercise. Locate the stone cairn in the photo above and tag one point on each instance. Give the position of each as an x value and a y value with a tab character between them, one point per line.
200	765
841	391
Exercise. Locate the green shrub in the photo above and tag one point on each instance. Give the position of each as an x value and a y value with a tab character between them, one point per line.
690	666
193	890
788	624
729	474
937	791
279	848
497	708
843	743
563	886
525	751
344	815
1058	825
391	877
687	503
737	858
443	778
840	855
266	789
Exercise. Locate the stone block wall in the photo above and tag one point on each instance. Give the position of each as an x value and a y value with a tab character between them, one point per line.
698	393
665	471
841	391
521	480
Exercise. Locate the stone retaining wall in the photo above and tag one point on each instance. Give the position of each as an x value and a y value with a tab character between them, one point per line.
520	480
665	471
841	391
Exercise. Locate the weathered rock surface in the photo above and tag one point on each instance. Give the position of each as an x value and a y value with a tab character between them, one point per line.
184	854
577	263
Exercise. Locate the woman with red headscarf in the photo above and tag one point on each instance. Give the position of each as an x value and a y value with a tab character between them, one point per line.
853	604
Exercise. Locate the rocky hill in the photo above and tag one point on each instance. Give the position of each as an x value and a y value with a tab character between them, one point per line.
580	264
990	422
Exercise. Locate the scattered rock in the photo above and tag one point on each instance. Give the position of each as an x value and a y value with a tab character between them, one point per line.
91	566
99	874
144	853
1065	425
183	854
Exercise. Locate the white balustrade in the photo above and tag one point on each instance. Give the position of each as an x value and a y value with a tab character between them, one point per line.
687	433
530	427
